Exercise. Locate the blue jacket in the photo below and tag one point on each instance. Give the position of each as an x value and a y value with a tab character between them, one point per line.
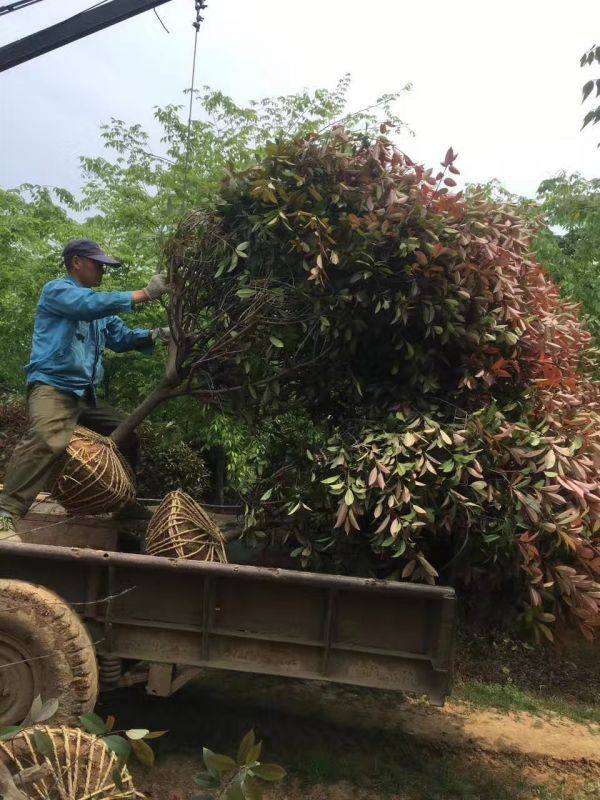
72	327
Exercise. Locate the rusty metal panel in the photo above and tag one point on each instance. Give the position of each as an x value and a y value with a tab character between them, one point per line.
349	630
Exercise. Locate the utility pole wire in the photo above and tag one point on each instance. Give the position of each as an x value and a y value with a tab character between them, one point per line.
200	5
160	20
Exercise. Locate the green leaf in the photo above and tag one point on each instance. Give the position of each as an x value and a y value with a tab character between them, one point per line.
43	744
92	723
587	90
118	745
234	792
267	494
246	745
118	779
137	733
254	753
275	341
207	780
36	708
349	497
221	269
251	788
143	752
269	772
48	710
6	734
218	762
244	293
445	438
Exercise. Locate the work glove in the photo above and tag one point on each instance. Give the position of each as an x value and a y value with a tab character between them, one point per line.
157	286
163	334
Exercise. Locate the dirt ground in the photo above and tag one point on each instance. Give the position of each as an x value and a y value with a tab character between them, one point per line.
340	743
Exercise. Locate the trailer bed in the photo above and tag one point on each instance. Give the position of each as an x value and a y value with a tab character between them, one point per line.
358	631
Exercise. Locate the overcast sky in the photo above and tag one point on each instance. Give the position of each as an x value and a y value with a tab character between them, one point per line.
499	82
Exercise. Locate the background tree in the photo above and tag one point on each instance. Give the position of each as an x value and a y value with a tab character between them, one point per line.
588	58
570	204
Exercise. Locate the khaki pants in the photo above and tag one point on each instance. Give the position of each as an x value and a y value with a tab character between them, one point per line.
39	456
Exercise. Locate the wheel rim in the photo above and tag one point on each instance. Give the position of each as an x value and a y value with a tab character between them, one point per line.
17	681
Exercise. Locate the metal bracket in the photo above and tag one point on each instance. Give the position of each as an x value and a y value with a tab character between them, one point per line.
160	677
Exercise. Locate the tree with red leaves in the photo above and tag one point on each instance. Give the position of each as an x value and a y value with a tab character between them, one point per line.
431	397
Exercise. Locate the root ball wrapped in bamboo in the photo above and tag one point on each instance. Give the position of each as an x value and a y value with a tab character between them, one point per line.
181	528
79	766
96	479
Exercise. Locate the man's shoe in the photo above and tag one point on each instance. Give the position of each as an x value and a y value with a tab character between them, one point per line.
7	529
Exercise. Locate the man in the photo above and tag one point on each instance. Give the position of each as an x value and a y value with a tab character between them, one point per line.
73	325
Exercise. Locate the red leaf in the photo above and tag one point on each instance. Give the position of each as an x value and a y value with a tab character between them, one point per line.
342	514
449	181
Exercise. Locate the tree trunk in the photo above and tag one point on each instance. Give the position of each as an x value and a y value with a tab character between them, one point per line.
139	414
162	392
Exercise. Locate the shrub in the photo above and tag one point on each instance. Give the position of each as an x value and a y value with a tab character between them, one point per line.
167	464
450	387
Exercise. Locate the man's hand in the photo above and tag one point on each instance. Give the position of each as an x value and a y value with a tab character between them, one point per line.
157	286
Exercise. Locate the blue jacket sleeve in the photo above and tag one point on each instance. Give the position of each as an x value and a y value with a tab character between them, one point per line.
78	303
121	338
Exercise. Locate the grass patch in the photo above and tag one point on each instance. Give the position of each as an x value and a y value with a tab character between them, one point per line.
508	697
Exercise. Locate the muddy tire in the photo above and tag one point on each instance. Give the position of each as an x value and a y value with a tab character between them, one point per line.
44	650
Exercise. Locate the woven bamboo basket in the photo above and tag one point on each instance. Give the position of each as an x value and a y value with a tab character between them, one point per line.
96	478
181	528
82	766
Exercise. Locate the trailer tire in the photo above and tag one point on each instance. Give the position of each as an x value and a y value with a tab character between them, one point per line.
45	650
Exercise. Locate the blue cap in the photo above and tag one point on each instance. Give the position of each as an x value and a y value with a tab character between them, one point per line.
88	249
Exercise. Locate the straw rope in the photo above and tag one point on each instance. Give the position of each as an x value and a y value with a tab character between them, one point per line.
181	528
81	767
96	478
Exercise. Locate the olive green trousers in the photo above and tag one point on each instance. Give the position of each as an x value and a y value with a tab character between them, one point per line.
38	458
